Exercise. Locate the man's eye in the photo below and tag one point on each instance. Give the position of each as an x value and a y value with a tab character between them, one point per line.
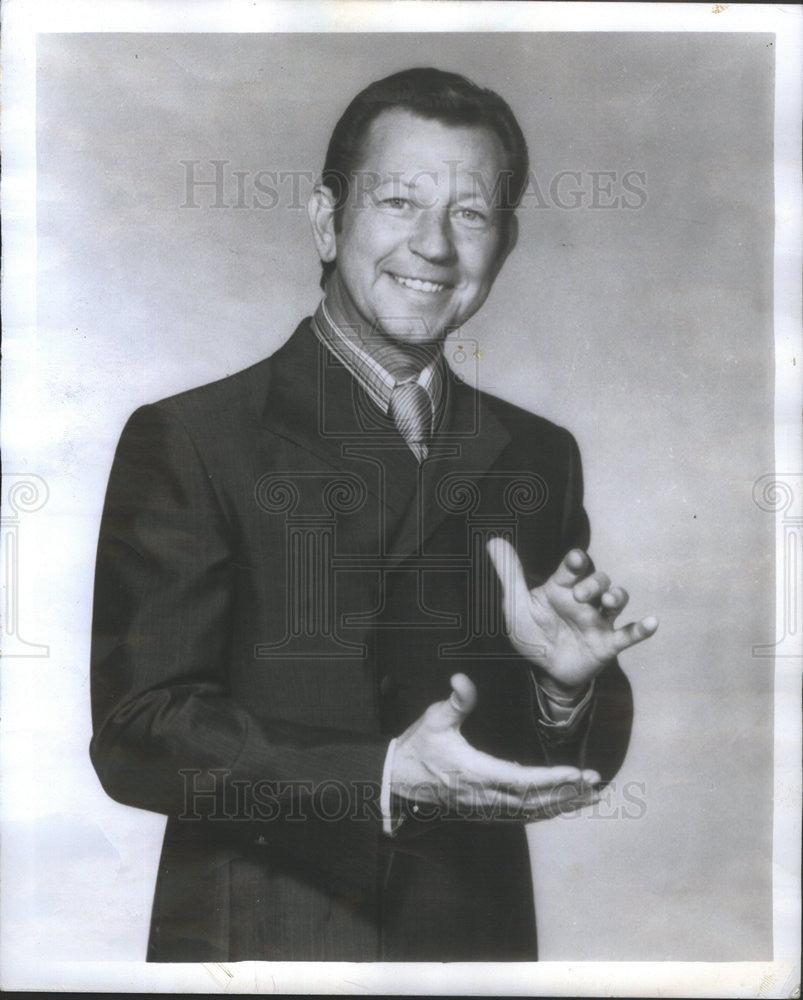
471	216
395	203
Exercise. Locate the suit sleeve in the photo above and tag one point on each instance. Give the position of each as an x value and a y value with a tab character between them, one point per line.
164	721
601	740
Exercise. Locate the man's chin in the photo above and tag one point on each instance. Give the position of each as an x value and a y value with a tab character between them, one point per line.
412	330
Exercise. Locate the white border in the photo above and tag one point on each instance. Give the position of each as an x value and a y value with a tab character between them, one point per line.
788	461
22	20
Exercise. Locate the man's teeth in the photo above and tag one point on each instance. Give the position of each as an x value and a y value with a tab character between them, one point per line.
418	285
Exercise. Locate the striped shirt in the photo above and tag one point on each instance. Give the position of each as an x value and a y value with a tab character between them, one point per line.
378	366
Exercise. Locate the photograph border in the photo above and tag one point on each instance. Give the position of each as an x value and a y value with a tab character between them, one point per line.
779	493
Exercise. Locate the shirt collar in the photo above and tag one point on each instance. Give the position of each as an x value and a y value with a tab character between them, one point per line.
371	366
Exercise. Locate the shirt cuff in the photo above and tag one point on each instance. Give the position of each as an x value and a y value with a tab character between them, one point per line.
558	715
389	824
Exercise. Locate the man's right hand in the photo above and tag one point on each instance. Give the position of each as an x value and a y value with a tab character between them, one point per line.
436	769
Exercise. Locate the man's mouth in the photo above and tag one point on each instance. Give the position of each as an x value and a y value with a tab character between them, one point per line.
418	284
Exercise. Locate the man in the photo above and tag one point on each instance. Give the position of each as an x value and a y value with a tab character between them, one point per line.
299	648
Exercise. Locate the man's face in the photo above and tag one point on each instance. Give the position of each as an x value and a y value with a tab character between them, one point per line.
421	239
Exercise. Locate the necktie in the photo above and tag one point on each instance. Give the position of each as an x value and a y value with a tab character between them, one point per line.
412	412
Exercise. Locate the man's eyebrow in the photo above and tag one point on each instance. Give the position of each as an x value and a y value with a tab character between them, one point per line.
472	194
476	196
475	191
393	179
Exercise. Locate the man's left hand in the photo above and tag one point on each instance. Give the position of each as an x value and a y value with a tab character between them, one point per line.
565	627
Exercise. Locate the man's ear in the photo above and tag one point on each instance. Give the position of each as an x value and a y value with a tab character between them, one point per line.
321	211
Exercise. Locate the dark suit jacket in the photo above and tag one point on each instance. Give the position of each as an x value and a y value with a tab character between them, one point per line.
280	589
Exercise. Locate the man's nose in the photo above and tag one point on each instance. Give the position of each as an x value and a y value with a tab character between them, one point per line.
432	237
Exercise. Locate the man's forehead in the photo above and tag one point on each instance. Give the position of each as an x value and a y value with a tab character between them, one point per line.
407	153
399	140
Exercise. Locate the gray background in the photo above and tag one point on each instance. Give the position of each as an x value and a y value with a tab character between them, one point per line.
648	332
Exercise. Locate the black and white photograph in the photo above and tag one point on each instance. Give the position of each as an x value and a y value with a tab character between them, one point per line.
402	498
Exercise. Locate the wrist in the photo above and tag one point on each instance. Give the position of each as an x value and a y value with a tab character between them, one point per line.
562	694
563	713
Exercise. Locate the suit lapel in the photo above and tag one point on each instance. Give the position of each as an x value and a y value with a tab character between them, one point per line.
314	402
466	446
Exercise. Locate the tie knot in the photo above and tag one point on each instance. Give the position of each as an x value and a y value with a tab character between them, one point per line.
411	410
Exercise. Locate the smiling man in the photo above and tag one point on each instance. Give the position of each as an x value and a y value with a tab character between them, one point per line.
347	636
419	243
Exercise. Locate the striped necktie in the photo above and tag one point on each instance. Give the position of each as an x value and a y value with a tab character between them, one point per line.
411	410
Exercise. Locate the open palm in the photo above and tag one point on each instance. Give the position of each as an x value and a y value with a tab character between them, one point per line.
566	626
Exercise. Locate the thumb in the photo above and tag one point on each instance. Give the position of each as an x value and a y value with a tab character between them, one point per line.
451	713
509	570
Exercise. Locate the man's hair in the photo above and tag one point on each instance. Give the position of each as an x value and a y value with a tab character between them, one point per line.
429	93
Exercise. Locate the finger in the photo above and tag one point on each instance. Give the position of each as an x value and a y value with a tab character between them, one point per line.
464	694
614	601
591	589
501	805
495	804
467	795
509	570
452	712
629	635
563	798
463	795
574	566
584	784
496	773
